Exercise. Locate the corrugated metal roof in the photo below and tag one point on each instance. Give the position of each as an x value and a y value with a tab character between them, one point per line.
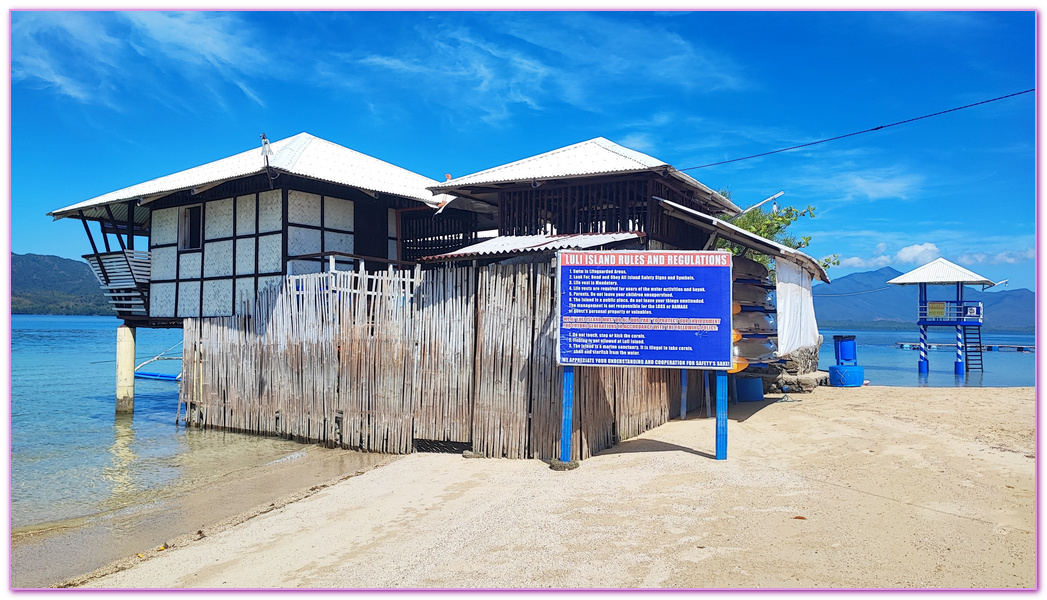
598	156
746	238
304	155
940	271
519	244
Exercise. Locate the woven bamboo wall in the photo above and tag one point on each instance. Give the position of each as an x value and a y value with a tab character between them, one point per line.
376	361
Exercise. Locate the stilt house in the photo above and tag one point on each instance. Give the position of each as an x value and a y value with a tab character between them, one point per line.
216	234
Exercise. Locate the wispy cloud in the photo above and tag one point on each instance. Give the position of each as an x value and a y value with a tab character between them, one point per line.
1009	257
96	58
492	65
848	185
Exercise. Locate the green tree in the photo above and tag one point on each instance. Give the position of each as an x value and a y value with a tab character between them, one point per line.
772	225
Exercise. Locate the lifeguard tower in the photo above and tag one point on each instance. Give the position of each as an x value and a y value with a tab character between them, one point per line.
965	315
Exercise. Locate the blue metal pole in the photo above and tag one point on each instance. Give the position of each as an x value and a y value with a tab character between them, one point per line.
721	415
568	417
959	368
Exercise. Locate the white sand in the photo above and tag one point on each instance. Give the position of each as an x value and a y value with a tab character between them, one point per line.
897	487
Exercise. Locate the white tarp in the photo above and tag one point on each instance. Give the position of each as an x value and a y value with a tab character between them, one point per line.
797	327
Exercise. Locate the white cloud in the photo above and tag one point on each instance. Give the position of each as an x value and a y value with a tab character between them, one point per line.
97	57
876	262
972	258
1011	257
916	253
919	254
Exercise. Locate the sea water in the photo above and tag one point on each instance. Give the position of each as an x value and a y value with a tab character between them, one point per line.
887	364
73	458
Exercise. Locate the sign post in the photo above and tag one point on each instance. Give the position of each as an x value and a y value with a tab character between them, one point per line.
654	309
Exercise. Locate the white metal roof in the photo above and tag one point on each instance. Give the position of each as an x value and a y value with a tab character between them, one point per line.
598	156
941	271
518	244
304	155
746	238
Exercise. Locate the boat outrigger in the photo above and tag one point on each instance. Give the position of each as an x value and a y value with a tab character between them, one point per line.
160	376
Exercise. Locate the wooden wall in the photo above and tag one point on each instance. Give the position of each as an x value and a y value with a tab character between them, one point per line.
375	361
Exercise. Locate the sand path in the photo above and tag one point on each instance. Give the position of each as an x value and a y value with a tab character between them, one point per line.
848	488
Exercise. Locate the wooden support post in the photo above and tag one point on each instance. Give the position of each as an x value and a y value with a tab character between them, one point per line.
125	369
131	225
683	394
721	415
568	416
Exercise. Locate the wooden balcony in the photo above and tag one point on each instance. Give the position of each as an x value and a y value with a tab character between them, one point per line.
124	277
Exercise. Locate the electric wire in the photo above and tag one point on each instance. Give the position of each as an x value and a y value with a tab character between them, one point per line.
850	294
847	135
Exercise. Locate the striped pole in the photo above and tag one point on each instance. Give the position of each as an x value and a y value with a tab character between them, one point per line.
960	368
923	350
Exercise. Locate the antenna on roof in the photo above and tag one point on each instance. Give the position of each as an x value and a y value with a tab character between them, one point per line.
774	205
267	151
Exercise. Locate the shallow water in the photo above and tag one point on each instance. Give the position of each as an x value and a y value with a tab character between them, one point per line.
72	457
84	478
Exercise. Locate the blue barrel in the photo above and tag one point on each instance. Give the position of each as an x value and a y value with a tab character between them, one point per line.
750	389
846	376
846	349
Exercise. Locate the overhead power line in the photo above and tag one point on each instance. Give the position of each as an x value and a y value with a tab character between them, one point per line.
847	135
850	294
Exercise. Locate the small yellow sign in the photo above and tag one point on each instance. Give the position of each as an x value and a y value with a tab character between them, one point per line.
936	309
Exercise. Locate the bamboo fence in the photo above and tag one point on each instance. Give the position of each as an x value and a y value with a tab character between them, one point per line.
376	361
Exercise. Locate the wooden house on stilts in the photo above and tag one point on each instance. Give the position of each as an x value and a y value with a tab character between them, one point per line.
331	297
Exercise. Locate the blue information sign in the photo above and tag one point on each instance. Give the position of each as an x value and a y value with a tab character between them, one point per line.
645	309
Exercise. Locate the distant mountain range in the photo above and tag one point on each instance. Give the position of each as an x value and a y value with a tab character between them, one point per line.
50	285
59	286
866	301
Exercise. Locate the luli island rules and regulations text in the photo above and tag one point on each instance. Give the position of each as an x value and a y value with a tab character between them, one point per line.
645	309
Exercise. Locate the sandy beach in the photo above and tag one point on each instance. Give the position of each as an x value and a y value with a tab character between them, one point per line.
872	487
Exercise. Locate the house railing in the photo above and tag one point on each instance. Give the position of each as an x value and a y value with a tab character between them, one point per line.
124	277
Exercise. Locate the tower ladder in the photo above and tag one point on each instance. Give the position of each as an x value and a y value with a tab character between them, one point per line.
972	343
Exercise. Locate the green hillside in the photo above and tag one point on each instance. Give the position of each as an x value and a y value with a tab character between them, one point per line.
50	285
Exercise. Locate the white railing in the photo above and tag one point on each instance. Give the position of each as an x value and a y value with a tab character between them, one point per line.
968	311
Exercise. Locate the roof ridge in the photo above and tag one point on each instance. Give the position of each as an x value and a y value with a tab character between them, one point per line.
293	149
624	151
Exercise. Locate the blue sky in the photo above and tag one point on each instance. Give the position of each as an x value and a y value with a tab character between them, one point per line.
103	100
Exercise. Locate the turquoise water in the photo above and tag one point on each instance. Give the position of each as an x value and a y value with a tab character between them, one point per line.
886	364
71	457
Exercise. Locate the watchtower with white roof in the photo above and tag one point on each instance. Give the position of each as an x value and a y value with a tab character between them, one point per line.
964	315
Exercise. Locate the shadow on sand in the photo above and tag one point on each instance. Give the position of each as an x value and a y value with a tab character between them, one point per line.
739	412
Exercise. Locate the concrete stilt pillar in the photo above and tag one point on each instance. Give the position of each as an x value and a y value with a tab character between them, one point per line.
125	369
